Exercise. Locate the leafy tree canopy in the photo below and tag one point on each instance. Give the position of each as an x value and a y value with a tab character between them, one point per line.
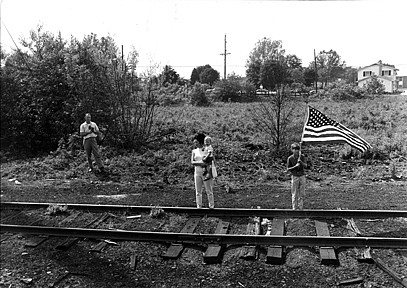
169	76
266	50
268	65
194	76
329	65
205	75
209	76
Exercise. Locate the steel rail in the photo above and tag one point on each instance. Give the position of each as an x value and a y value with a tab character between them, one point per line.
187	238
220	212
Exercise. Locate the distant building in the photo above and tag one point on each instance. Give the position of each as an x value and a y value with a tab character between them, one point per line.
401	82
385	72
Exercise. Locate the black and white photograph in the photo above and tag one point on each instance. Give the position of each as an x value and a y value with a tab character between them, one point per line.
203	143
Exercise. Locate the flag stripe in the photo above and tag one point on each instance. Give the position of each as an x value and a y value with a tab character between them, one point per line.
336	136
331	133
322	139
334	140
319	128
337	141
357	136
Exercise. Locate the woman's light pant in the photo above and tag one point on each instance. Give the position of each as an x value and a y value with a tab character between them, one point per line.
199	184
297	191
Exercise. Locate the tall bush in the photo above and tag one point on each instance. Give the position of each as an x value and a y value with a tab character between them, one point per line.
374	86
272	117
47	90
198	96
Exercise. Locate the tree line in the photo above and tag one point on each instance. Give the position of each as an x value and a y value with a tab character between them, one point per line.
50	83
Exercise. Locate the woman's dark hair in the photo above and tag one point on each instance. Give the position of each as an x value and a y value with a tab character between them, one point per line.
200	137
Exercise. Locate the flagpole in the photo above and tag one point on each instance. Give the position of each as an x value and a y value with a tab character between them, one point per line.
305	122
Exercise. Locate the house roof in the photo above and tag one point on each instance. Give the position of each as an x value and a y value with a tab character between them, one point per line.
379	63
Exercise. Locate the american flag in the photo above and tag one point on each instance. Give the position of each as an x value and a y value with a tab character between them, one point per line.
319	128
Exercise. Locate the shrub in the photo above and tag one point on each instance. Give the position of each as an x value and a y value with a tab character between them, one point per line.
197	95
374	86
342	91
172	94
234	89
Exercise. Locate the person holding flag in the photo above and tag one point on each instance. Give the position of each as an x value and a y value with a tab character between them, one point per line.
296	164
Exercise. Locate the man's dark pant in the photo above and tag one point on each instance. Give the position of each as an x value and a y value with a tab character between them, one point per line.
91	146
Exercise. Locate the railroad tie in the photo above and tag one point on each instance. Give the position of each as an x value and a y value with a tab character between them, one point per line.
175	250
213	253
68	242
104	242
35	241
364	253
327	254
249	252
275	252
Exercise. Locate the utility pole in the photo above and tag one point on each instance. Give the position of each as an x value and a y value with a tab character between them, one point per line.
224	67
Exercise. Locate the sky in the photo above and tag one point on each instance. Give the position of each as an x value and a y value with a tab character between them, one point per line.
189	33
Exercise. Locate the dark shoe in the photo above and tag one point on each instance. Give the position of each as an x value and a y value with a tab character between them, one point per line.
207	178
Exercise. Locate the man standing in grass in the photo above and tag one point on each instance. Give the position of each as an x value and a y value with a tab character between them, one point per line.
89	131
296	164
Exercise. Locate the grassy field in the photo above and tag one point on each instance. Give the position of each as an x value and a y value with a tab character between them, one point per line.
238	141
381	121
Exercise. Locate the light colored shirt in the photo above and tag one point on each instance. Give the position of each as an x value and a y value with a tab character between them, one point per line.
85	127
198	155
208	149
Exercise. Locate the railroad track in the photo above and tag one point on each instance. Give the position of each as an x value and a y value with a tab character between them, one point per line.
218	212
273	237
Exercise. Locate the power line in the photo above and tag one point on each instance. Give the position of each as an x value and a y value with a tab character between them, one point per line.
18	49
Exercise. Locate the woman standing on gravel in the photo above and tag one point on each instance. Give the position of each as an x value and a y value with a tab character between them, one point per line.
196	161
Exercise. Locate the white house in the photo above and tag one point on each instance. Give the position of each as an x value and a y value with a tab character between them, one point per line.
385	72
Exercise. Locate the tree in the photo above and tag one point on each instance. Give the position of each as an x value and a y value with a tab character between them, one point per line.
169	76
47	90
293	62
273	74
329	66
272	117
265	50
36	88
200	69
253	72
194	76
204	74
209	76
268	65
296	76
295	69
309	76
350	75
